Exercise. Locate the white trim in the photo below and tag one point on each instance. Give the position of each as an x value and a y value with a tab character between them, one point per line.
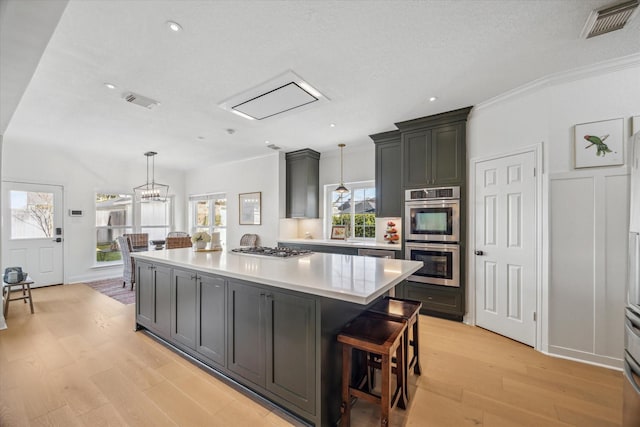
585	357
564	77
541	281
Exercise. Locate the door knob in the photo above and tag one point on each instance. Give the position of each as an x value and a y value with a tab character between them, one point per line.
479	253
57	239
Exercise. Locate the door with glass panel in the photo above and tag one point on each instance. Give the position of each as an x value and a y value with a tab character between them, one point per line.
32	234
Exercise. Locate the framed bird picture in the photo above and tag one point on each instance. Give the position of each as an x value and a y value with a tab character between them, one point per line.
599	144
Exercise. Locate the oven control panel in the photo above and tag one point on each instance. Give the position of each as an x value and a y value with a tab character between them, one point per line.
433	193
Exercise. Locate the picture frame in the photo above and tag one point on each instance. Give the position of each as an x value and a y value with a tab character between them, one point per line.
339	232
599	144
250	208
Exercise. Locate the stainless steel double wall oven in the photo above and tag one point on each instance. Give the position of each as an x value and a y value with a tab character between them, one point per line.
432	234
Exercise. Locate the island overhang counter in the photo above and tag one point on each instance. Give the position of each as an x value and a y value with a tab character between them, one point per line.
267	323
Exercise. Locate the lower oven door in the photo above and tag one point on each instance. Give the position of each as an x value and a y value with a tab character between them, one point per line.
441	263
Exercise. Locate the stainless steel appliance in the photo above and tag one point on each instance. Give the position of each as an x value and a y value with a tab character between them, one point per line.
441	263
433	214
631	387
378	253
278	252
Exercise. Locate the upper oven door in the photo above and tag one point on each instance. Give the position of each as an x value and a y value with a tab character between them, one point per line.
433	220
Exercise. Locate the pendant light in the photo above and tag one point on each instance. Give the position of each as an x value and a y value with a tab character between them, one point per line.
341	188
152	191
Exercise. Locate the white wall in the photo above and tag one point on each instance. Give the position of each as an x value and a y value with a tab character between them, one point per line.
586	210
82	176
264	174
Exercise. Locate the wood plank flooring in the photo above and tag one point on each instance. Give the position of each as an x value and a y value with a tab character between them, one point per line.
78	362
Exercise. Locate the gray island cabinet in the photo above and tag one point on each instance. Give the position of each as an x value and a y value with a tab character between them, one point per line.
268	324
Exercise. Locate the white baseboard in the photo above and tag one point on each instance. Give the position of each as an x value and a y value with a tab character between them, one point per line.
584	357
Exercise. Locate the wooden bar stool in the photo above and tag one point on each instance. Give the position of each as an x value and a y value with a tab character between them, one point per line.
26	293
407	310
383	337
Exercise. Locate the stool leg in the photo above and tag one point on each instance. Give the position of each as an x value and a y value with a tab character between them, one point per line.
401	373
24	294
345	408
6	303
30	299
385	392
416	346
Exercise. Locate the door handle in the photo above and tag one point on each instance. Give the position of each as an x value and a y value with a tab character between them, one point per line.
479	253
57	239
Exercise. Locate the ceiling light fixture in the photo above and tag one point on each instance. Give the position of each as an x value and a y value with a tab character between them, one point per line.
332	125
341	188
266	142
110	85
246	116
310	89
433	98
151	191
174	26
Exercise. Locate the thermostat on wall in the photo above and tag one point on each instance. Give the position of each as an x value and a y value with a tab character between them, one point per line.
75	212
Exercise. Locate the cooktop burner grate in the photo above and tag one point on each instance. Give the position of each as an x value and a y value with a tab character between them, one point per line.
278	252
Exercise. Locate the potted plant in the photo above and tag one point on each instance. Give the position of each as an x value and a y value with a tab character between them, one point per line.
200	239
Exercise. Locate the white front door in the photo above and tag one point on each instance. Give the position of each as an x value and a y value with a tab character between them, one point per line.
505	246
32	230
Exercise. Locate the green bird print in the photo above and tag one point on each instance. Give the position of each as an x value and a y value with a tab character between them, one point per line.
601	147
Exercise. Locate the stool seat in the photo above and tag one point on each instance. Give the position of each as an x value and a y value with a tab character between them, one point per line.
26	293
383	337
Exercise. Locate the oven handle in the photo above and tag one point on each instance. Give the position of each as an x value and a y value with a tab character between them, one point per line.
630	366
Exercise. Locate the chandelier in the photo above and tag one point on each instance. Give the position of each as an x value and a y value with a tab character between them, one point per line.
341	188
152	191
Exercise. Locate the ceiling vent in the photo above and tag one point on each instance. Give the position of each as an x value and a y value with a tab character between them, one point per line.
143	101
609	18
274	147
286	92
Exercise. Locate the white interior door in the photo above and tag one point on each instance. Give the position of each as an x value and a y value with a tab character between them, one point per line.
32	230
505	246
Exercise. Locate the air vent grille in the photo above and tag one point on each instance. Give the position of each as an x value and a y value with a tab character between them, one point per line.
143	101
274	147
609	18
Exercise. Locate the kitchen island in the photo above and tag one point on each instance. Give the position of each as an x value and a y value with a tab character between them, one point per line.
268	324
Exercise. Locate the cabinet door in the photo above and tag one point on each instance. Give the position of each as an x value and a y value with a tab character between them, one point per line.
145	298
246	331
415	152
291	349
447	158
436	299
211	327
162	300
388	179
183	307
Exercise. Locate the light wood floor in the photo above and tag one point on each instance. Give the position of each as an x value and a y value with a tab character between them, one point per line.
77	362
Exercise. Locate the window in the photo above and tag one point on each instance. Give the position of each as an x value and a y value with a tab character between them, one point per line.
114	217
116	214
356	209
31	214
208	212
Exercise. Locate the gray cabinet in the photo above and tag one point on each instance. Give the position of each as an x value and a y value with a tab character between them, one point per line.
303	183
246	332
272	342
436	300
291	349
433	150
388	174
183	307
211	318
153	300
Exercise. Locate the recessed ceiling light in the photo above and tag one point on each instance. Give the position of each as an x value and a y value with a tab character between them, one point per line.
110	85
332	125
433	98
266	142
174	26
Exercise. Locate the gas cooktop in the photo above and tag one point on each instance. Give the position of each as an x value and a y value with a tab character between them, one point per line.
278	252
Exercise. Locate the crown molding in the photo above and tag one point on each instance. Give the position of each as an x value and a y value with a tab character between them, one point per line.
580	73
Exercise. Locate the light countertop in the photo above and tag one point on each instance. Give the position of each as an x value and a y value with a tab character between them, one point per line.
350	278
350	243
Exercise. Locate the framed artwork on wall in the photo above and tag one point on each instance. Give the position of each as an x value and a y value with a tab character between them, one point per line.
250	206
338	232
599	143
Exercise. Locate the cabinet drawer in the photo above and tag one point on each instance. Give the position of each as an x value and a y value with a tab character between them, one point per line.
435	299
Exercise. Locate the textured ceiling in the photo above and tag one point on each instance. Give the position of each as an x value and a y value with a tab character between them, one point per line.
377	61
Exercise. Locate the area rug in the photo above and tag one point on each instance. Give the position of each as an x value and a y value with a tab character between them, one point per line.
113	288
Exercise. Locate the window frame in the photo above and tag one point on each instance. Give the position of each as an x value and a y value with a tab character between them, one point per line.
211	198
328	222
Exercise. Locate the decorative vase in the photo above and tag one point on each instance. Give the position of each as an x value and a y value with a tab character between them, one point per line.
201	244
